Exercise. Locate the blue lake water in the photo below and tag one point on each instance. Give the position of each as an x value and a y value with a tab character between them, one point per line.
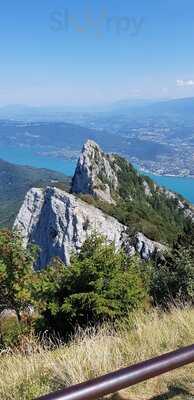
184	186
28	156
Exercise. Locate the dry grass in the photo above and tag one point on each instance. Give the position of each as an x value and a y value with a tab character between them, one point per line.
94	353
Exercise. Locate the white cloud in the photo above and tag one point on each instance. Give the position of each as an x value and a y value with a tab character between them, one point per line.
184	83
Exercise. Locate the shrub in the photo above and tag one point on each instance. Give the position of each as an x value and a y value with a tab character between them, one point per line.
16	271
101	284
16	276
173	281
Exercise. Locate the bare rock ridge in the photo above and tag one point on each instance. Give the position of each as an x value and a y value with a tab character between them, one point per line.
94	174
59	223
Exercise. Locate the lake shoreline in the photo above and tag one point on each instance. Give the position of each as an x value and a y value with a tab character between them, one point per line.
144	172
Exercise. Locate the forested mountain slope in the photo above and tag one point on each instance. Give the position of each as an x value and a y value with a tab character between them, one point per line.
15	181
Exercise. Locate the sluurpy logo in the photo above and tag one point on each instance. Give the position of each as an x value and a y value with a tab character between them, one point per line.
63	19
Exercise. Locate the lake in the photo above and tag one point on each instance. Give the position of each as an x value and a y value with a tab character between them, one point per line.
27	156
182	185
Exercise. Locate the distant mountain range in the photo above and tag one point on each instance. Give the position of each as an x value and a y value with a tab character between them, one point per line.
185	106
178	107
55	135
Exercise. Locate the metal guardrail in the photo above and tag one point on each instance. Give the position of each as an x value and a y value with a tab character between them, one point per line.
126	377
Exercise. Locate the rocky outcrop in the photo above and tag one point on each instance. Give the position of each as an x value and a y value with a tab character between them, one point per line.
147	189
8	314
94	173
146	247
59	223
29	214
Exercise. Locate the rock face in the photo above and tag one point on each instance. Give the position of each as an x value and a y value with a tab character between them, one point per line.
59	223
146	247
29	214
94	174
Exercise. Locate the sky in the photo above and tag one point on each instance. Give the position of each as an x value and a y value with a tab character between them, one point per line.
77	52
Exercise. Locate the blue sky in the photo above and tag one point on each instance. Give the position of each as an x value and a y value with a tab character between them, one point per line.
62	52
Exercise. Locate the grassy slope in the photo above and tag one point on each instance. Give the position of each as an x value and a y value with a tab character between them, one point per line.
15	181
94	353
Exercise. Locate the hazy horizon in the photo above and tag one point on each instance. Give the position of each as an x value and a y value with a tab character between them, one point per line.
129	100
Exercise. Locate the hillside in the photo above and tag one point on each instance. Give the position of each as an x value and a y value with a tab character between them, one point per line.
53	136
97	351
15	181
111	183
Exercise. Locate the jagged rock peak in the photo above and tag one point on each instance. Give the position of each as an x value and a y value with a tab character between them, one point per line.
95	174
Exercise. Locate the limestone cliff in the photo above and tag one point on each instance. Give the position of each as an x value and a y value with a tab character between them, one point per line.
59	223
94	174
